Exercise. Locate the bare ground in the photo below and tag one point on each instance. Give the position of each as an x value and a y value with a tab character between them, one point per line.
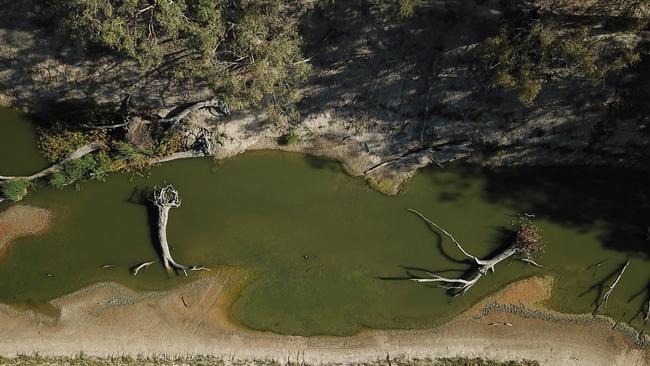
108	319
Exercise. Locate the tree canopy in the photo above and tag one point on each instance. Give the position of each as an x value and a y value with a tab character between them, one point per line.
525	57
246	51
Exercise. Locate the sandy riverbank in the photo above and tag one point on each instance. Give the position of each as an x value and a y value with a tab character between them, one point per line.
19	221
108	319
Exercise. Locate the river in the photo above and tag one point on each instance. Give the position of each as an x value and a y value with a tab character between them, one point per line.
327	253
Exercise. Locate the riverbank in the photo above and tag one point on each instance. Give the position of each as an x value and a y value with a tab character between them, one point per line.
107	319
383	122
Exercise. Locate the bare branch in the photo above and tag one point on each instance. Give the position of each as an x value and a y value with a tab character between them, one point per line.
603	303
141	266
478	261
530	261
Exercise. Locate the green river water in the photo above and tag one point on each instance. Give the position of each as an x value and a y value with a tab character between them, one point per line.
328	253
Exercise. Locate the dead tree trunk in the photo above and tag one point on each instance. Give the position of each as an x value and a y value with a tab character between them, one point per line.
165	199
527	242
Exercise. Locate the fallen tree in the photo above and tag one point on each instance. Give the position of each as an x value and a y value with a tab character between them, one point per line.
78	153
165	199
527	242
216	106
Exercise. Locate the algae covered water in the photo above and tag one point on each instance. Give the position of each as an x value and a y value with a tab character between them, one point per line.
328	254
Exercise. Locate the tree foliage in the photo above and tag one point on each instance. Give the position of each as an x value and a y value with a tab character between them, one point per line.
246	51
15	189
526	57
57	142
91	166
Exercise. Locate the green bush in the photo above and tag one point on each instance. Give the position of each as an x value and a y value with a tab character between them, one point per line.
15	189
292	138
57	142
58	180
91	166
131	156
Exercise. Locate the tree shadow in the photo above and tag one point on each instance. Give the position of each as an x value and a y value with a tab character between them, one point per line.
143	197
644	292
601	286
502	239
614	201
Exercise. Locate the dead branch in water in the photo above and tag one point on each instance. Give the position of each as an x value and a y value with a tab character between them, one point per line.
141	266
527	242
605	299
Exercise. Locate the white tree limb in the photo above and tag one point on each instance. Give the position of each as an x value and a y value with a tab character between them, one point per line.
605	299
478	261
143	265
530	261
485	265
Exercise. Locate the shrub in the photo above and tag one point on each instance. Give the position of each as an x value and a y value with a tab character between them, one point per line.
56	143
132	156
94	166
58	180
15	189
292	138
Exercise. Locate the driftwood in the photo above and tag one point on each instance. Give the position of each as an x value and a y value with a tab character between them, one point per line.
80	152
605	299
141	266
484	265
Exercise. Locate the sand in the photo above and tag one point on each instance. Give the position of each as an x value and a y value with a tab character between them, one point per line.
19	221
108	319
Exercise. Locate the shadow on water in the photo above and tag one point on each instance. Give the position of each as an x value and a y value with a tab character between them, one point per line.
583	198
502	238
142	197
643	308
601	286
322	163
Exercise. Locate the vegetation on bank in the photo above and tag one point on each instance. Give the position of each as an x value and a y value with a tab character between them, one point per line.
15	189
524	57
83	360
250	54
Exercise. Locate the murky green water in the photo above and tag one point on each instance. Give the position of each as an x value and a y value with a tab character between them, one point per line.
329	253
